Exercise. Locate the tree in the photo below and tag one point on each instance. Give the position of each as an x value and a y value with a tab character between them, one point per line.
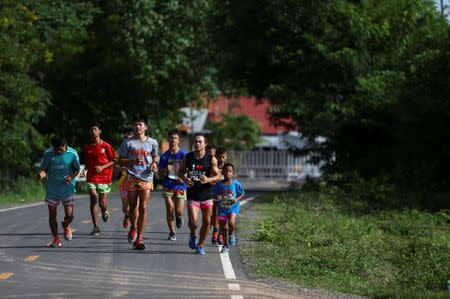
145	56
32	34
238	132
345	70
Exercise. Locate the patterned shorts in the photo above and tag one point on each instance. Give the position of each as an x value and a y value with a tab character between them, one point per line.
101	188
174	193
200	204
65	201
134	184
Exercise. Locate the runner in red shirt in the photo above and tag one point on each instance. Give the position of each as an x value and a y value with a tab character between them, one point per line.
99	159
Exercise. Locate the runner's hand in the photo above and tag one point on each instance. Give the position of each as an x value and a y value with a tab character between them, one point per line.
98	169
189	182
154	167
203	179
83	173
41	174
68	179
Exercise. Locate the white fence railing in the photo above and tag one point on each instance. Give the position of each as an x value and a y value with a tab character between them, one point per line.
272	164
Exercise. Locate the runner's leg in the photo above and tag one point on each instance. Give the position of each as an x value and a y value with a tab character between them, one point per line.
231	224
224	231
132	202
179	206
93	207
206	221
143	199
52	212
170	208
68	218
193	218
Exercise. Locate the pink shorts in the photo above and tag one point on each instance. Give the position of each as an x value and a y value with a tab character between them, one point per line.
200	204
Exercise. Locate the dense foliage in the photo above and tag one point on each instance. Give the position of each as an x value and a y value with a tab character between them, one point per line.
370	76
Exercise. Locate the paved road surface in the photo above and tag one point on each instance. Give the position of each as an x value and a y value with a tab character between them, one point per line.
106	267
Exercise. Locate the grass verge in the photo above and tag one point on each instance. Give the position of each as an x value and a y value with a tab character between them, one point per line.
24	190
318	241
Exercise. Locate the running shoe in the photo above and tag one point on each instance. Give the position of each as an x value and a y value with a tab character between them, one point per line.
220	240
172	237
179	220
56	242
126	222
225	249
95	231
139	244
106	216
132	235
67	232
200	250
232	240
192	241
214	236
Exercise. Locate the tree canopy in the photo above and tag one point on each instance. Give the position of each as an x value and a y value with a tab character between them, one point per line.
369	76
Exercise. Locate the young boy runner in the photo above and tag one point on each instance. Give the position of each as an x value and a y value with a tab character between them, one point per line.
99	159
228	192
216	238
140	156
199	170
126	133
174	188
60	165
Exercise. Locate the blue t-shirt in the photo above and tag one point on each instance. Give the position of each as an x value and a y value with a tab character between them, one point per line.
132	148
175	160
226	192
57	166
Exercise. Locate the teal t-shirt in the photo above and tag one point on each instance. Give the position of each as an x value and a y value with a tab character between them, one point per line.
57	166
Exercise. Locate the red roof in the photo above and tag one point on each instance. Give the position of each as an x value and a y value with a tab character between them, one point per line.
249	106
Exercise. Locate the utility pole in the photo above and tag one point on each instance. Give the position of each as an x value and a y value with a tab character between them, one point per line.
442	8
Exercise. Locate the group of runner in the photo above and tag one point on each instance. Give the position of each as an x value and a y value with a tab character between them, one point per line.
202	176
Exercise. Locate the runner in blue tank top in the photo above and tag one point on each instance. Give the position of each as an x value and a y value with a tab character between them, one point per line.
174	188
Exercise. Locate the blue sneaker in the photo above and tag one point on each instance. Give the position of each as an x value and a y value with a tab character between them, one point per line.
192	241
232	240
200	250
225	249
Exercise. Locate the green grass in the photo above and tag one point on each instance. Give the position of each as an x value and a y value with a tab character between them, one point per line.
24	190
318	240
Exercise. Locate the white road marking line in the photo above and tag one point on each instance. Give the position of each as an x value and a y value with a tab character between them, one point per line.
237	297
234	287
33	204
243	202
22	207
226	264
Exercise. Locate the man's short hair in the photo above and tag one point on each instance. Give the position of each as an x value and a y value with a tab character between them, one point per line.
95	124
200	135
139	118
58	140
173	132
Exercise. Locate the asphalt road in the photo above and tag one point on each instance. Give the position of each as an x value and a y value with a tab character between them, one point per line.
106	266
